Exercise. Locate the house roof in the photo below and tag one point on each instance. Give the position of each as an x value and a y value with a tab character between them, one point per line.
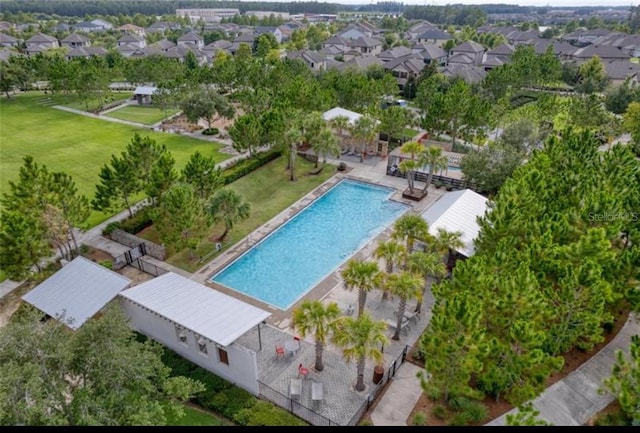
502	50
602	51
435	34
470	74
130	37
213	315
75	38
364	42
86	52
360	63
457	211
468	47
145	90
395	52
430	51
7	39
338	111
41	38
621	69
79	290
190	37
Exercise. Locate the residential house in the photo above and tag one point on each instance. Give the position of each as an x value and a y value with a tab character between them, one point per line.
605	52
85	52
463	59
8	41
5	53
61	28
469	48
132	29
163	45
310	58
214	48
180	52
191	39
161	26
528	37
331	52
354	32
275	31
133	40
6	25
434	36
418	28
199	323
105	25
404	68
491	62
86	27
470	74
394	53
359	63
589	36
629	44
335	41
431	54
244	38
40	42
365	46
75	40
572	37
620	70
560	49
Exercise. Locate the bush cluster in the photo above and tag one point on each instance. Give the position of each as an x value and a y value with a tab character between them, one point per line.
210	131
246	166
228	400
138	222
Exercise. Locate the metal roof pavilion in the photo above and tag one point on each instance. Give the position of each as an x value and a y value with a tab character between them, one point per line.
205	311
79	290
457	211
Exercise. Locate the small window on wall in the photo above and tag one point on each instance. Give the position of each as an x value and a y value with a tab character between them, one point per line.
202	346
182	336
223	356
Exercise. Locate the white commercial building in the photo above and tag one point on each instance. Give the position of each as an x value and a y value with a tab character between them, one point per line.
207	15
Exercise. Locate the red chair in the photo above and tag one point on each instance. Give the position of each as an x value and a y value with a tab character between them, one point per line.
302	371
279	351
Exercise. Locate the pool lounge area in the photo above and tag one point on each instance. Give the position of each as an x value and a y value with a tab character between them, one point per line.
290	261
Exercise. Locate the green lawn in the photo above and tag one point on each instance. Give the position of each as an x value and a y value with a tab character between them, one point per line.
3	276
196	417
72	102
75	144
269	191
141	114
635	59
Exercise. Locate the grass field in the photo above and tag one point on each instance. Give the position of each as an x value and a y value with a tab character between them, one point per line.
75	144
269	191
72	101
141	114
195	417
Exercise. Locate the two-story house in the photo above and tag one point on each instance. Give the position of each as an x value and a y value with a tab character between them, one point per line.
365	46
75	40
39	43
468	49
8	41
191	39
434	36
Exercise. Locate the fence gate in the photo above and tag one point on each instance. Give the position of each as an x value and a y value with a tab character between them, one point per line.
134	257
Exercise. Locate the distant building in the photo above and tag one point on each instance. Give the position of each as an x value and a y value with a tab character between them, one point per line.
267	14
207	15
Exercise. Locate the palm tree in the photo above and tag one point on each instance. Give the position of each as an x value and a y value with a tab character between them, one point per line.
447	242
393	254
409	166
365	129
228	206
428	265
435	159
314	317
409	228
340	124
406	285
325	143
292	138
362	275
361	339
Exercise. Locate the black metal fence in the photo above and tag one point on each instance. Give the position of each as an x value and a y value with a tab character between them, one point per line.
444	180
314	418
134	257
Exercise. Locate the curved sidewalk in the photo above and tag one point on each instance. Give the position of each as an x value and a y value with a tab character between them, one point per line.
571	401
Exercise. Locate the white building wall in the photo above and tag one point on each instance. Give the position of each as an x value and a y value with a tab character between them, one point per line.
243	366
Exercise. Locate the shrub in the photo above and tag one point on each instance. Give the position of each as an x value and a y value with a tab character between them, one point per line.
475	412
264	413
210	131
138	222
419	419
110	228
439	412
365	423
231	401
342	166
437	184
246	166
449	187
459	419
107	264
458	403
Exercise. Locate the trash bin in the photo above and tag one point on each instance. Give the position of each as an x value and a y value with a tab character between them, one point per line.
378	373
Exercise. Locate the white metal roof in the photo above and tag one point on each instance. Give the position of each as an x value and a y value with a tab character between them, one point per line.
200	309
79	290
457	211
145	90
338	111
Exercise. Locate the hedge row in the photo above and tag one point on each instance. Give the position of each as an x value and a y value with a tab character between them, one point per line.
228	400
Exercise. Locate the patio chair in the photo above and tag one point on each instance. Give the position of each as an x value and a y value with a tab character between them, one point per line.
279	351
295	388
317	392
303	371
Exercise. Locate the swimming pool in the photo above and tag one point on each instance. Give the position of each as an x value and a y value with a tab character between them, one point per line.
285	265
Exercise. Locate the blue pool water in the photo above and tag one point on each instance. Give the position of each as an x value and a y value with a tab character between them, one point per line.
290	261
